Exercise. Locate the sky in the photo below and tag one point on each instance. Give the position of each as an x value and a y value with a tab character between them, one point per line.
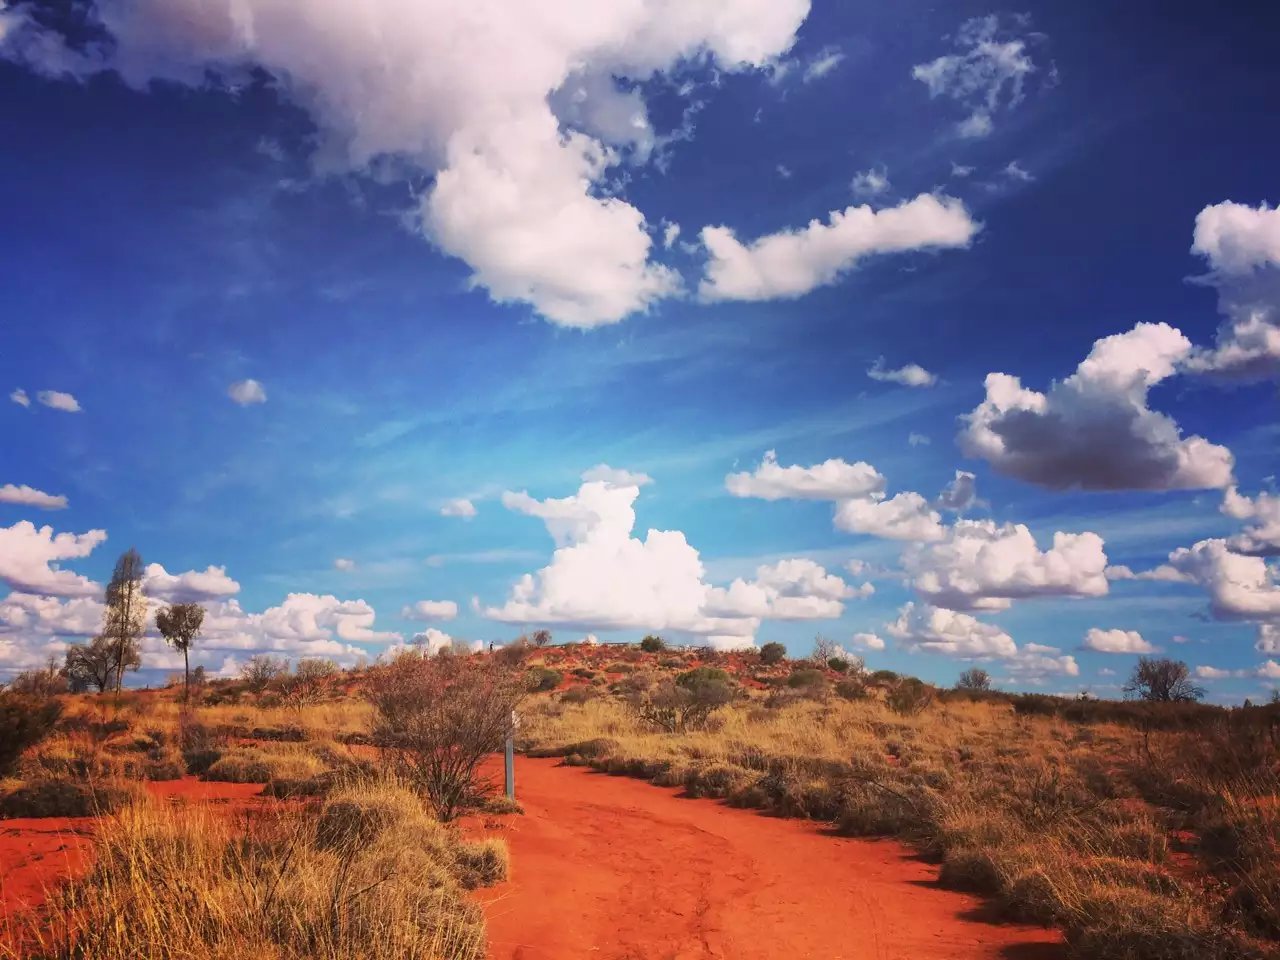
949	332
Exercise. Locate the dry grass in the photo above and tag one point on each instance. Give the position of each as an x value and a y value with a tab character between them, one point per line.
371	877
1048	817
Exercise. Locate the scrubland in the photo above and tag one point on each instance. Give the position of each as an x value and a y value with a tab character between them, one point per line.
1141	830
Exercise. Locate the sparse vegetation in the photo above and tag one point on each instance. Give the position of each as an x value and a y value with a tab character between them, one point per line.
772	653
653	644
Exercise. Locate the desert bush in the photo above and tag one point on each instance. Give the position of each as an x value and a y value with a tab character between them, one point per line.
260	671
884	676
482	863
772	653
253	764
313	680
68	798
851	688
185	882
513	654
685	703
838	664
909	696
24	721
808	680
49	682
653	644
437	719
578	695
544	678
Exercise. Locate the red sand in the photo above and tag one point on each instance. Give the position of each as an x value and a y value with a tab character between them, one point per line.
618	869
36	854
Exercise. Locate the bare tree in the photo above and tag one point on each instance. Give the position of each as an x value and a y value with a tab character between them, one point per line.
540	638
825	650
259	672
438	718
313	679
975	678
125	617
93	665
1161	680
180	624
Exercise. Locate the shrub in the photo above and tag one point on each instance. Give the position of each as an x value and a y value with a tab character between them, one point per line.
482	863
772	653
68	798
975	678
262	765
579	695
683	704
261	671
838	664
24	722
544	678
807	679
437	719
653	644
909	696
884	676
851	689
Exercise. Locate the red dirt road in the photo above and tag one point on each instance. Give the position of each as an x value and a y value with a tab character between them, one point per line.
616	869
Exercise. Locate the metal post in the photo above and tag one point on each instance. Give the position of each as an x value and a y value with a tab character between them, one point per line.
511	758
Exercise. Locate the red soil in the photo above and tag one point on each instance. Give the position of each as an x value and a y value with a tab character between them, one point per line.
618	869
37	854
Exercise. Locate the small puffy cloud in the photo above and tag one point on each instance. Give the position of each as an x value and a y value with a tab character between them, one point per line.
1239	587
1035	661
1262	537
951	634
960	171
19	396
1242	247
616	477
1214	673
212	583
30	555
867	641
960	494
1014	171
904	516
909	375
57	400
823	63
918	440
1116	641
247	392
832	479
31	497
792	262
1270	670
345	564
784	171
980	565
986	73
670	234
431	641
1268	638
459	507
1094	429
870	183
430	610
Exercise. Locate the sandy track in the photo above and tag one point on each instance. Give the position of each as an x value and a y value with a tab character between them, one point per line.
613	868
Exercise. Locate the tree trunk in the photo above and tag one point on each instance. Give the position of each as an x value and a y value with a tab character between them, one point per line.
186	675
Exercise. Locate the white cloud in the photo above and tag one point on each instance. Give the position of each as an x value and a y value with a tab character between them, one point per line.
247	392
345	564
870	183
603	578
918	440
31	497
1268	638
904	516
29	559
783	171
960	171
867	641
1014	171
1239	587
1036	661
1270	670
212	583
823	63
909	375
1214	673
1262	538
1116	641
670	234
57	400
985	75
951	634
19	396
475	94
432	641
616	477
832	479
36	619
960	494
793	262
1094	429
1242	246
984	566
459	507
431	610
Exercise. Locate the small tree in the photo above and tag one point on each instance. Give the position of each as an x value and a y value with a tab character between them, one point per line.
125	617
49	682
653	644
312	680
683	704
540	638
260	671
772	653
93	665
180	624
975	678
825	650
1161	680
437	719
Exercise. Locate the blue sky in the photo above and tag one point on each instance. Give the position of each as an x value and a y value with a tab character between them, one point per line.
439	250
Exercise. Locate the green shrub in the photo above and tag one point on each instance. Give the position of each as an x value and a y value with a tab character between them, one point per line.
772	653
653	644
544	678
838	664
884	676
850	689
909	696
807	679
68	798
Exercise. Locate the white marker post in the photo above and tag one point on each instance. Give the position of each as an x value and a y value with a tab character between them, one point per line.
511	756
